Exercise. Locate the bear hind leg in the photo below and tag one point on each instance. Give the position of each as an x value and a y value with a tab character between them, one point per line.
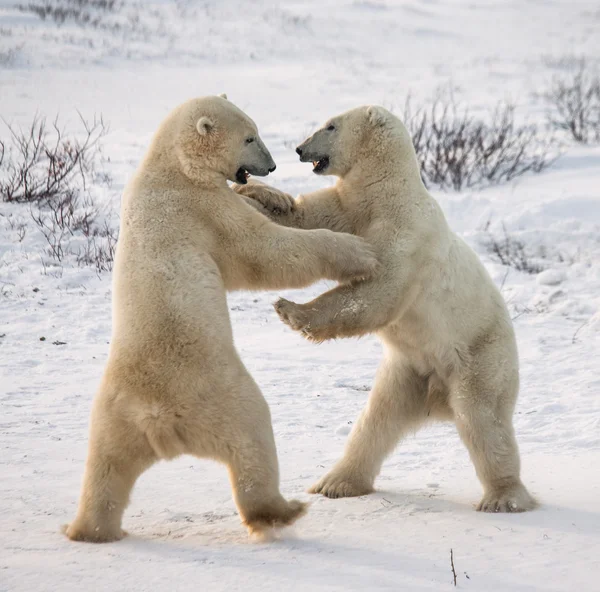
247	447
488	434
118	454
397	404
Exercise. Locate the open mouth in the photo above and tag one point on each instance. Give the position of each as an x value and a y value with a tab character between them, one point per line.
320	165
242	176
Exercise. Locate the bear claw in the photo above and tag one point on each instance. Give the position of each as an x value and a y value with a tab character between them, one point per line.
273	200
516	499
292	315
335	487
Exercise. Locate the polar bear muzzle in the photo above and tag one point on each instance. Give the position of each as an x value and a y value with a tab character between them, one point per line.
320	162
256	160
243	173
315	149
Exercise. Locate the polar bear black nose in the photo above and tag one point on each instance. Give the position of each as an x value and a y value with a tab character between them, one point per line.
272	169
299	151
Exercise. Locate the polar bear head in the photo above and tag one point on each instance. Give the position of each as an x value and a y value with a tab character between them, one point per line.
357	136
213	136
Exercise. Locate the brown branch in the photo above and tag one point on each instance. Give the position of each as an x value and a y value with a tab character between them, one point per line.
455	149
574	339
452	565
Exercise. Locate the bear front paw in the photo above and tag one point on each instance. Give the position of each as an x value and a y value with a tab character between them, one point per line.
273	200
276	201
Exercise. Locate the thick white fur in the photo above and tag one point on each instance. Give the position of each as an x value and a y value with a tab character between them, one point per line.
174	383
450	350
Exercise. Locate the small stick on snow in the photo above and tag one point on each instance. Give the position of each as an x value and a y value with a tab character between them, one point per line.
574	339
452	565
504	279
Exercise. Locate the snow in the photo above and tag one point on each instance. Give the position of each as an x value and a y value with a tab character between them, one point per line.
291	65
551	277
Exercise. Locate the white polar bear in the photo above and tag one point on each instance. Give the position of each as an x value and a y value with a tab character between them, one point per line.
174	383
450	350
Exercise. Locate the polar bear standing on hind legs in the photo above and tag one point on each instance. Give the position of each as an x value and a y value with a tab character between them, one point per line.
174	383
450	349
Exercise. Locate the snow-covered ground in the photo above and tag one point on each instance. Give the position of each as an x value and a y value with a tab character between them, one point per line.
290	65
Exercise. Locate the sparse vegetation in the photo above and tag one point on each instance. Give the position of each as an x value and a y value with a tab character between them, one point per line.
511	252
124	21
574	100
9	55
41	165
530	256
99	248
51	173
458	150
82	12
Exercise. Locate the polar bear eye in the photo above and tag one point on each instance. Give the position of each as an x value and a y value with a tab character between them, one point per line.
331	128
249	140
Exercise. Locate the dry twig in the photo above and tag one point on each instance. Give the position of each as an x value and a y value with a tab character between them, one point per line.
452	565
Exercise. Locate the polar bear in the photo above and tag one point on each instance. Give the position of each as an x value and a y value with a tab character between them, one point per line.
174	383
450	350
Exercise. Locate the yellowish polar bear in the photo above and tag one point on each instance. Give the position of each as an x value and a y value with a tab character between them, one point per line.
174	383
450	351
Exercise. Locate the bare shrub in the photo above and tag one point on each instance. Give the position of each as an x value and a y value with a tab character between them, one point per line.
21	232
511	252
54	235
42	165
60	219
9	56
82	12
15	224
457	150
139	21
574	98
70	231
69	215
52	174
99	249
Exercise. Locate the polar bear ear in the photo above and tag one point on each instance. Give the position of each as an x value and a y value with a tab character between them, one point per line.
377	115
204	125
223	96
